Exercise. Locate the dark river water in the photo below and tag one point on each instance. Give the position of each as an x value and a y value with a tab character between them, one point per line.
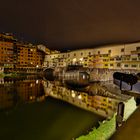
35	109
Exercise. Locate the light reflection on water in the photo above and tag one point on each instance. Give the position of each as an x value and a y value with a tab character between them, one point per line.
103	106
27	112
31	89
19	91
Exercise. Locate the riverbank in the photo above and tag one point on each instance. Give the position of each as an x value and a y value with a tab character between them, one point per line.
108	127
2	75
103	132
15	74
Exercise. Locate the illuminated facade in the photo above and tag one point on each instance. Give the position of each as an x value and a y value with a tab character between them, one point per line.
29	57
44	49
6	54
19	56
125	56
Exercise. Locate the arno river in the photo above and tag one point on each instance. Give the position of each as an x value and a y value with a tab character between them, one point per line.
32	108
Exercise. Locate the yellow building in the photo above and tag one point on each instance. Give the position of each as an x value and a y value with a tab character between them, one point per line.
104	57
29	56
16	56
6	54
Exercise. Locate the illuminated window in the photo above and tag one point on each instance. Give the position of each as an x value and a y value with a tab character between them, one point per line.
105	55
84	76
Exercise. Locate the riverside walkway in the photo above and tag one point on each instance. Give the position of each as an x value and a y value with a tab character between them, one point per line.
130	130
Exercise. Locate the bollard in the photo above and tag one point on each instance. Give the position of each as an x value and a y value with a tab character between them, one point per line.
137	99
120	114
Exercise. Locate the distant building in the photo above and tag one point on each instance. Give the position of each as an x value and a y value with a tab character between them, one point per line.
7	37
44	49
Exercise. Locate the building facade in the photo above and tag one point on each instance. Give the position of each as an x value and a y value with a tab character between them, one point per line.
19	56
6	54
125	56
28	56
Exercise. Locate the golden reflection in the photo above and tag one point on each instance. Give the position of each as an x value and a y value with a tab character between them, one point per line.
80	97
31	90
73	95
98	104
20	91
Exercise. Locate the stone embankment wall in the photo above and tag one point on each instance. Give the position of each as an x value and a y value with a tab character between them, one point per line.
106	74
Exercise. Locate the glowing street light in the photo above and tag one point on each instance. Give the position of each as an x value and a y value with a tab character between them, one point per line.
79	97
73	95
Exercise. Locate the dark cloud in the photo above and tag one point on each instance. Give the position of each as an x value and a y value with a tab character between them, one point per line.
72	23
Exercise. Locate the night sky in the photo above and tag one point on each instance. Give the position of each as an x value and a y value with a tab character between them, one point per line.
72	24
